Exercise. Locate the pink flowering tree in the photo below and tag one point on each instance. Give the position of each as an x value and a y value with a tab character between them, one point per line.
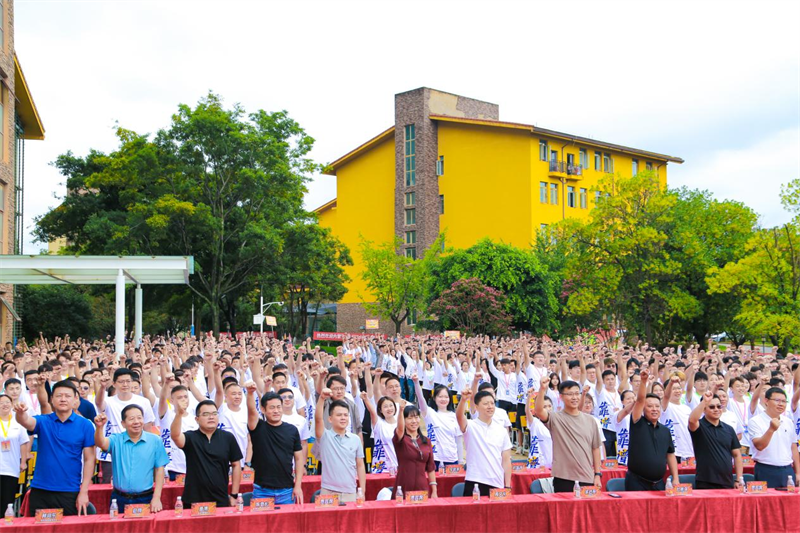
472	308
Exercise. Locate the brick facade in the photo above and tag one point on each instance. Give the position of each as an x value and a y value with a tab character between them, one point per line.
7	161
351	318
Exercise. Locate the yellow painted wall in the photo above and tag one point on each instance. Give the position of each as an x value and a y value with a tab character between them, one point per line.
365	207
486	184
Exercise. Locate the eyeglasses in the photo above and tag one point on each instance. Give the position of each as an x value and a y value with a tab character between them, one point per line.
337	389
209	414
124	382
779	402
287	397
570	394
715	407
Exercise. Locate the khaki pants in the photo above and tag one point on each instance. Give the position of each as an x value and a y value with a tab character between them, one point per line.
343	496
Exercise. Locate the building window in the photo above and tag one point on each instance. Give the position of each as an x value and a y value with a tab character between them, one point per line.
649	166
597	196
411	155
411	198
543	192
411	217
597	160
608	164
440	166
571	196
441	204
411	253
412	318
542	150
584	199
411	237
542	227
584	158
554	193
635	167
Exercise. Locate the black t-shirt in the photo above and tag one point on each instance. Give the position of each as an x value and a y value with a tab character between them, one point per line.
648	449
712	450
207	464
273	451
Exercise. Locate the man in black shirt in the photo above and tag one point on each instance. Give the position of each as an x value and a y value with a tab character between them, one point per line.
209	453
715	443
650	450
275	445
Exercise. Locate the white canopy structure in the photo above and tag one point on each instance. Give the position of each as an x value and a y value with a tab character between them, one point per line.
99	270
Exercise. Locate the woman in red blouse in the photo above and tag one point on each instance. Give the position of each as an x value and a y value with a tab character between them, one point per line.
416	469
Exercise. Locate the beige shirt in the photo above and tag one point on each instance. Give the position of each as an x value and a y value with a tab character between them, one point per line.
574	438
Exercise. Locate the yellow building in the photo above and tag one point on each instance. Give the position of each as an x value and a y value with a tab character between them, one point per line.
450	164
19	121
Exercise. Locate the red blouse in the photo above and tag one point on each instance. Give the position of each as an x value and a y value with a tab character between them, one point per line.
413	463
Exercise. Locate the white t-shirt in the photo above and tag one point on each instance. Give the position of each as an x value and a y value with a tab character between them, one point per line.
235	422
485	444
442	432
177	458
676	418
114	407
731	419
541	450
623	439
501	417
300	423
608	405
779	450
383	454
506	384
12	436
742	413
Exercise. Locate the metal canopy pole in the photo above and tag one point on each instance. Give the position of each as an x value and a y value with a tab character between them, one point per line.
119	337
138	316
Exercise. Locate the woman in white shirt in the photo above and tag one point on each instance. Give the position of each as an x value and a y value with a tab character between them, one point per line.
13	454
442	426
384	422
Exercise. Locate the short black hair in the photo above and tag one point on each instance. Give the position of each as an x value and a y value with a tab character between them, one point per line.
268	397
569	384
12	381
775	390
285	390
118	373
336	379
276	374
178	388
201	404
129	407
64	384
653	396
338	403
608	373
700	376
485	386
481	395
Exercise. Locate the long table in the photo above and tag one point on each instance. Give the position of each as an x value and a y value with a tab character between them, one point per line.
635	512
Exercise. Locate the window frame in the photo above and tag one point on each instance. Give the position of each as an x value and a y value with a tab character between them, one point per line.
411	214
410	154
554	194
571	196
543	192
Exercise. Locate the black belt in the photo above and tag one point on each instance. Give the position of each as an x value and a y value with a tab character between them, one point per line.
133	495
644	478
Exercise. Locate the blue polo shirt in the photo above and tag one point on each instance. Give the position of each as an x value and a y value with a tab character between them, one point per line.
59	460
133	463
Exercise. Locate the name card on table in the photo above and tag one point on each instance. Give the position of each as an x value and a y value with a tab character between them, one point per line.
137	510
49	516
204	509
683	489
180	479
590	492
747	460
247	474
518	467
756	487
416	497
451	470
499	495
610	463
327	500
262	504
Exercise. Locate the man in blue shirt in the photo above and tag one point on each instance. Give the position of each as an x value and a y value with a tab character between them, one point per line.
65	458
138	459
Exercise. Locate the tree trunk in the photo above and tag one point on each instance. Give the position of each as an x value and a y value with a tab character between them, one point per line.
397	325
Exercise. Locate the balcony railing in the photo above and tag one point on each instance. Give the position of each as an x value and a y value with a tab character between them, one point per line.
563	168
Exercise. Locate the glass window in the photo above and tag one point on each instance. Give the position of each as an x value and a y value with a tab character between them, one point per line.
411	155
584	199
441	204
584	158
542	150
411	237
440	166
543	192
554	193
411	253
597	196
411	198
571	196
649	166
411	217
606	163
597	160
635	167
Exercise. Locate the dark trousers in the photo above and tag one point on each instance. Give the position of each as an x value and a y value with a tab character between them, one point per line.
638	483
610	443
123	501
775	476
104	472
704	485
8	491
48	499
469	486
566	485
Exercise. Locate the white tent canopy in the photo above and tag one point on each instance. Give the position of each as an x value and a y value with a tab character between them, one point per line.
99	270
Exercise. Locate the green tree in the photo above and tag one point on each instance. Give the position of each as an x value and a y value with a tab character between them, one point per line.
217	184
396	283
473	308
530	289
56	310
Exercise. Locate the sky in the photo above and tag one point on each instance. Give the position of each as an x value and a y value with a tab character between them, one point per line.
715	83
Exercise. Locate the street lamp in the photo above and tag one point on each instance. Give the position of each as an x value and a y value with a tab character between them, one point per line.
263	307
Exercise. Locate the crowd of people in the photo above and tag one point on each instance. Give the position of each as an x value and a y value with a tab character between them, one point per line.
207	409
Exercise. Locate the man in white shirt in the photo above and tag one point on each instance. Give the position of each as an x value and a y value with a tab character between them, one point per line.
676	417
290	416
233	416
488	448
166	413
774	442
112	407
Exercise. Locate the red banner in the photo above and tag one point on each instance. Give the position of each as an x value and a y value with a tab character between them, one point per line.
331	336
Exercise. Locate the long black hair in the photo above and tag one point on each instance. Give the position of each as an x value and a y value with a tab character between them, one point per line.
436	390
414	410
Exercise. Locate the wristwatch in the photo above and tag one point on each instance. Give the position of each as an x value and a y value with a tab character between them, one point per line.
234	494
598	474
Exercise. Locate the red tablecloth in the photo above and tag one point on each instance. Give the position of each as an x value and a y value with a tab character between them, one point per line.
634	512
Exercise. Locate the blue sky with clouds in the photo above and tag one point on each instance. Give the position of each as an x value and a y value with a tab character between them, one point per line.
716	83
